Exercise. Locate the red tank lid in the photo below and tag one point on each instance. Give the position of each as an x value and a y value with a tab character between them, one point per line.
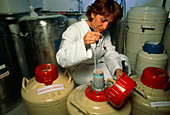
97	96
155	78
46	73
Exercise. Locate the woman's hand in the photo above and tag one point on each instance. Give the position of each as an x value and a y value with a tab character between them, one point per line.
119	72
91	37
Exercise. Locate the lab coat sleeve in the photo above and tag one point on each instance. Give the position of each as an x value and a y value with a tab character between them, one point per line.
72	49
112	58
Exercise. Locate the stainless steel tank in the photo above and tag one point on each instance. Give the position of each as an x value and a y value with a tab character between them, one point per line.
10	75
42	37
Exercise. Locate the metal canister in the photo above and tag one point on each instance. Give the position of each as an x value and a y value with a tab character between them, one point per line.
153	96
10	74
47	92
42	38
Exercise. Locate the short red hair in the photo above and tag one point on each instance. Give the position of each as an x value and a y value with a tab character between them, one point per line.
105	8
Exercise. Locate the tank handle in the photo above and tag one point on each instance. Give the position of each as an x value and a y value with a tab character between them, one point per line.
140	93
67	72
146	27
79	107
110	80
23	83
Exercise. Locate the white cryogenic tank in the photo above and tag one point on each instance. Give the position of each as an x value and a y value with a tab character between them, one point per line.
166	41
152	55
47	92
99	99
153	96
143	24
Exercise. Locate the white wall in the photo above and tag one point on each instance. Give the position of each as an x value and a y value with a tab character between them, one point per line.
20	6
13	6
65	5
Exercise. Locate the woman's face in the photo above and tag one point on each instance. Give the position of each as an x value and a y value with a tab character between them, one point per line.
100	23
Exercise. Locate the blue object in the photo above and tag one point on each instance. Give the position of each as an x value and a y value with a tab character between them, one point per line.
153	47
98	73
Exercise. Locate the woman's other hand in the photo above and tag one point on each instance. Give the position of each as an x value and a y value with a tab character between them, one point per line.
119	72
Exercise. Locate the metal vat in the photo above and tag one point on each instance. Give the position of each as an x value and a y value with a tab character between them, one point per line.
10	75
42	37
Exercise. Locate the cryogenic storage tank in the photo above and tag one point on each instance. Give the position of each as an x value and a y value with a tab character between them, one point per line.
100	99
154	93
47	92
152	55
143	24
42	37
166	41
78	104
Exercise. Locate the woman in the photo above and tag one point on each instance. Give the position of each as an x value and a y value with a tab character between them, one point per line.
86	40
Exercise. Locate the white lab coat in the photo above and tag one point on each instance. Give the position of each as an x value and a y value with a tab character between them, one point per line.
80	59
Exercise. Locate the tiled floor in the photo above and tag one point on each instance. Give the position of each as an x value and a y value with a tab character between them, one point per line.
19	110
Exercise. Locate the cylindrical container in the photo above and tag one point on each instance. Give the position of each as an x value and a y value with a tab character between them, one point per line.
152	55
166	41
12	21
47	92
42	38
78	103
10	74
98	79
143	24
72	20
153	95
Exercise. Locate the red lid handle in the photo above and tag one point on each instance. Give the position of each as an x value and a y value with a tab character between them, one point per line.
46	73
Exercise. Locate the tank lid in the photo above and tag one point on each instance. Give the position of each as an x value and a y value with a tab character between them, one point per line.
46	73
153	47
147	13
155	78
41	16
